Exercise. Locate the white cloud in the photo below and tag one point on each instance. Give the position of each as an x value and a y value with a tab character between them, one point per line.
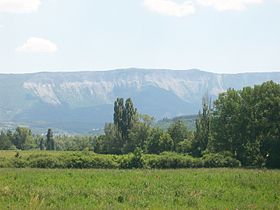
37	45
2	26
19	6
171	8
223	5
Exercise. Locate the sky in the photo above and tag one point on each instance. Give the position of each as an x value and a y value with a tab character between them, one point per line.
223	36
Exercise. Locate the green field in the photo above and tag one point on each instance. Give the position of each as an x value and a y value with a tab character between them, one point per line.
139	189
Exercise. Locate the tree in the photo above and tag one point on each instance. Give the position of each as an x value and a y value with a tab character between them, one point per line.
247	124
5	141
186	146
129	117
152	144
113	141
202	133
23	139
267	107
50	140
178	132
42	144
139	133
165	142
119	115
125	118
226	121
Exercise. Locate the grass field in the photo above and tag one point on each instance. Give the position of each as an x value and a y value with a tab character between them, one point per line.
139	189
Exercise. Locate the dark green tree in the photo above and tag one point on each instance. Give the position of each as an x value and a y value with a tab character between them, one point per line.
166	143
178	132
129	117
50	140
226	118
139	133
152	144
267	105
42	144
5	141
119	115
113	142
23	139
186	146
247	124
202	133
125	118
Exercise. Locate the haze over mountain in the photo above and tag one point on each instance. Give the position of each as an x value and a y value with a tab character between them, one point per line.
78	102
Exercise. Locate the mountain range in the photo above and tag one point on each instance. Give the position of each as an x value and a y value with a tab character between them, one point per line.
81	102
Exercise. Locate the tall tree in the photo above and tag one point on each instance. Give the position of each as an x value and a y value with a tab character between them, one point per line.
119	114
125	117
42	144
225	124
50	140
129	117
202	133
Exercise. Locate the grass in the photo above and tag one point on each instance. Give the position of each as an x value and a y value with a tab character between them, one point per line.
139	189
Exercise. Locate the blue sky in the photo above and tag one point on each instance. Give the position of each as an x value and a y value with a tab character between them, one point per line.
224	36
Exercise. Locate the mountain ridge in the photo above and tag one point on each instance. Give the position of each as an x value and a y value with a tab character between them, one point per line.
139	69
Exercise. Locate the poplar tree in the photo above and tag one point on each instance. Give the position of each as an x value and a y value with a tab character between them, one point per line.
202	133
50	140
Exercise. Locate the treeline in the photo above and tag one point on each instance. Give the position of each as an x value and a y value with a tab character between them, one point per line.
241	124
23	139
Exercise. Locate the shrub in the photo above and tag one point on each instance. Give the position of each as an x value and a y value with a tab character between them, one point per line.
5	163
19	163
45	162
136	159
219	160
125	161
79	160
169	160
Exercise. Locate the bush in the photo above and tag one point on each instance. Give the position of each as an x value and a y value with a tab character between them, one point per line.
78	160
125	161
136	159
132	160
45	162
219	160
169	160
19	163
5	163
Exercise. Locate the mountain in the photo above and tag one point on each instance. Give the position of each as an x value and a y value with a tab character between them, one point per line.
78	102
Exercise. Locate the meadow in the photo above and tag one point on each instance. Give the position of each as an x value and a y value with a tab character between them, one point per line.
139	189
